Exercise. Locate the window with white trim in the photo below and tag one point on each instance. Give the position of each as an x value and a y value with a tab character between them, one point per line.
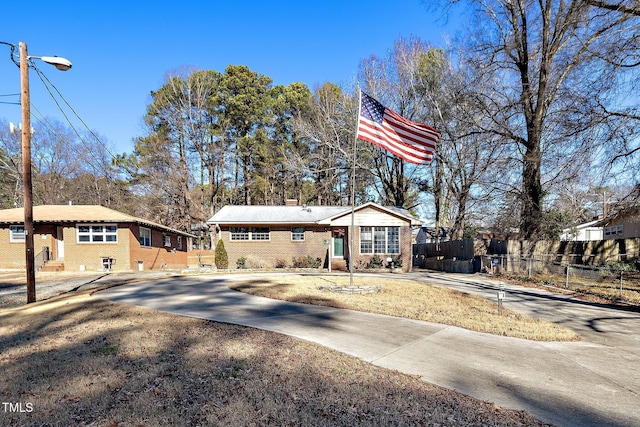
246	233
107	233
366	240
239	233
260	233
180	242
380	240
393	240
17	234
297	234
614	230
145	236
166	240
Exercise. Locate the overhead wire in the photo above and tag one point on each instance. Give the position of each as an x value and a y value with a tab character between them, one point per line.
48	85
10	103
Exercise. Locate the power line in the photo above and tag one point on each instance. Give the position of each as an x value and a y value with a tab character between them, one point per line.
47	83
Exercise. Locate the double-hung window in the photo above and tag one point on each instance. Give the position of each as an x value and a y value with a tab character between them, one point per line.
250	233
107	233
297	234
393	240
366	240
16	234
380	240
145	236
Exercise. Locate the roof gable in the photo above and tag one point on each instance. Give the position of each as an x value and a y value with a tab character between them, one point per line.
395	211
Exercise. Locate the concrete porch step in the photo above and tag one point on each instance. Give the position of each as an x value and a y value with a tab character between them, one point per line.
53	266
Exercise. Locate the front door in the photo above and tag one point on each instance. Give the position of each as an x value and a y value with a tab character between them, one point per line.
60	243
338	243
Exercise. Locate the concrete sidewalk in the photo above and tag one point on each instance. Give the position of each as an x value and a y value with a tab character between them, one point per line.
567	384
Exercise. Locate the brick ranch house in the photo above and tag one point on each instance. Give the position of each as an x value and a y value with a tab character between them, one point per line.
277	234
91	238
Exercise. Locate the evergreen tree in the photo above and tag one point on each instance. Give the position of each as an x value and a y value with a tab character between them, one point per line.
221	257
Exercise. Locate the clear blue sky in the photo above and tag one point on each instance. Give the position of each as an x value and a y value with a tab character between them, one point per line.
122	50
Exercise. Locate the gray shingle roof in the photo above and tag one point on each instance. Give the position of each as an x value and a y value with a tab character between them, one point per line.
231	214
276	214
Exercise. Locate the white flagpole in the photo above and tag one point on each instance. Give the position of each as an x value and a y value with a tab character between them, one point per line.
353	191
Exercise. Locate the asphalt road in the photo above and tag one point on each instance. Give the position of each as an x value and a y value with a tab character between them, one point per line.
594	382
13	291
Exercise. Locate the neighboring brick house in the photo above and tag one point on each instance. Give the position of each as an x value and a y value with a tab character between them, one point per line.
277	234
91	237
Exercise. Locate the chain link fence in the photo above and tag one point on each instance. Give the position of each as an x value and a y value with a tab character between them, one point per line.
616	281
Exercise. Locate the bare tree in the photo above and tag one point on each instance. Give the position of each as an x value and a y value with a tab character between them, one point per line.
559	64
10	167
329	127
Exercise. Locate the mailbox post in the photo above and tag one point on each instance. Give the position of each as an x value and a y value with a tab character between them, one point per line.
501	294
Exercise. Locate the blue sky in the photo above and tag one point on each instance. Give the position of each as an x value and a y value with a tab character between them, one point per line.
122	50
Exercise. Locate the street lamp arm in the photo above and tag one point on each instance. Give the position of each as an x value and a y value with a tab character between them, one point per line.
62	64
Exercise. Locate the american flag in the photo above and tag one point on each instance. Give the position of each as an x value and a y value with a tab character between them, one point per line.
413	142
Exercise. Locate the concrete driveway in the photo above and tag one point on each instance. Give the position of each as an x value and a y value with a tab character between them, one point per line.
595	382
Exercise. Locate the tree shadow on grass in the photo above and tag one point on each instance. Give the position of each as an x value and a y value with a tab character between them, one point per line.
79	361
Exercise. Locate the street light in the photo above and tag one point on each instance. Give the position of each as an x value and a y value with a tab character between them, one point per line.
63	65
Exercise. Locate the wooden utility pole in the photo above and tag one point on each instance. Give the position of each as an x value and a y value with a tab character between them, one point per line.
26	173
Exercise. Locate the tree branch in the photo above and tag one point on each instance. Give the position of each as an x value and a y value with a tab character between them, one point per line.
615	7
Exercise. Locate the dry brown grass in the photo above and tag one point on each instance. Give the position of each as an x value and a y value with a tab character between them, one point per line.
412	300
77	360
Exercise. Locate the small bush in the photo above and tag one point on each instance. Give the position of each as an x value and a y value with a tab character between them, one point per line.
280	263
630	264
250	261
240	263
306	262
375	262
359	265
221	257
253	262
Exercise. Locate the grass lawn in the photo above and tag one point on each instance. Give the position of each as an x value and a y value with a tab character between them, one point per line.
78	360
412	300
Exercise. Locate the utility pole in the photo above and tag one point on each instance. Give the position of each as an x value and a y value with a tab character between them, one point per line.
26	173
61	64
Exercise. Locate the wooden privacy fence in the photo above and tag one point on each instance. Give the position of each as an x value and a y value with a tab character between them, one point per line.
455	256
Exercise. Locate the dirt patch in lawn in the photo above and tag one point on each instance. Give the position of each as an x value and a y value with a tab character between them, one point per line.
409	299
77	360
